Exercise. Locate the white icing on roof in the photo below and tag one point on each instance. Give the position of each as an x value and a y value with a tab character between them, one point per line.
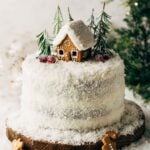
79	33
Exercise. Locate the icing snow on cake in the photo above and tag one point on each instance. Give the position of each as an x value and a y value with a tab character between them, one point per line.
70	95
73	96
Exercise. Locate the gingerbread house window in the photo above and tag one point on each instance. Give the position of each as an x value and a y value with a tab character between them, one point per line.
74	54
61	52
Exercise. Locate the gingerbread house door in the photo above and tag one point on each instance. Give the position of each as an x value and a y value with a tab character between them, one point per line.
67	56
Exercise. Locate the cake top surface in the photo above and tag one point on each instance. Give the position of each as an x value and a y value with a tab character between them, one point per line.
65	69
79	33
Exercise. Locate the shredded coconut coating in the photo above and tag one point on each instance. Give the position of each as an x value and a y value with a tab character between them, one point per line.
71	95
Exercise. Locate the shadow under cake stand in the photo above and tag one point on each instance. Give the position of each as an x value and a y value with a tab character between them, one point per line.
130	129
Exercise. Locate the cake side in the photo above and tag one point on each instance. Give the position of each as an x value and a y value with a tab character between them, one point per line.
130	126
74	96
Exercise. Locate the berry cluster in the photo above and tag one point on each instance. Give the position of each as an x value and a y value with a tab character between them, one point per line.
102	58
47	59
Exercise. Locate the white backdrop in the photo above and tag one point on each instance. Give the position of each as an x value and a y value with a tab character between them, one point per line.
32	16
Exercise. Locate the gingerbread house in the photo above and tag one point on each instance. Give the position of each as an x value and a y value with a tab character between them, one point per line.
74	42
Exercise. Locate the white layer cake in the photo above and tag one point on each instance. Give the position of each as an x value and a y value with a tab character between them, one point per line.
73	96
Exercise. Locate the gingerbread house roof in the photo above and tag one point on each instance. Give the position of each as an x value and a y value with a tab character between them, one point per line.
78	32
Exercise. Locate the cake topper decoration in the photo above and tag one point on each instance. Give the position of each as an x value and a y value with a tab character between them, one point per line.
44	43
58	21
69	15
17	144
109	140
101	50
76	41
92	25
45	47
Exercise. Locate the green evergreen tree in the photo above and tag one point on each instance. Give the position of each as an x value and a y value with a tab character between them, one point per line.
102	29
44	43
133	45
69	15
92	25
58	21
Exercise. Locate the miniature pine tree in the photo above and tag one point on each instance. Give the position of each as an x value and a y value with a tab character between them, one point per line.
44	43
102	29
69	15
58	21
92	25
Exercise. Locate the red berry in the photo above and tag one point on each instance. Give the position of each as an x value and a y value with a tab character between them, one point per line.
43	59
51	59
99	57
106	56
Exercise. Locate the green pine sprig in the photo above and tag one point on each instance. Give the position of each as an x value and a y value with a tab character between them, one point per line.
58	21
69	15
44	43
102	29
92	25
